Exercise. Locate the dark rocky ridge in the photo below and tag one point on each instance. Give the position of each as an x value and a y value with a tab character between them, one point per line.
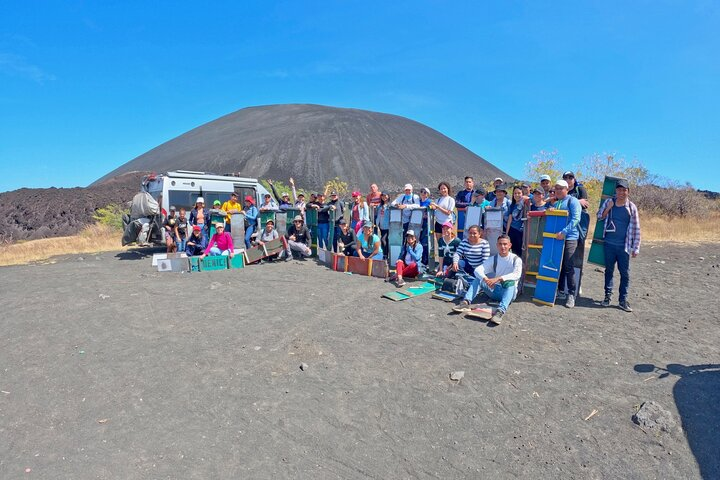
315	143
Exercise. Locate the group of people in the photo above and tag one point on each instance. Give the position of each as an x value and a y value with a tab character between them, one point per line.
362	229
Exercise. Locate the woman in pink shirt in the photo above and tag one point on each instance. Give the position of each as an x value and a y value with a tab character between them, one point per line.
220	244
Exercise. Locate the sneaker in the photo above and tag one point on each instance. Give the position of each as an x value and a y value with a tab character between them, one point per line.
625	306
400	283
497	317
462	307
570	302
606	302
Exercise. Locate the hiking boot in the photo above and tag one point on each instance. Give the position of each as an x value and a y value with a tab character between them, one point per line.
497	317
624	305
570	302
462	307
606	302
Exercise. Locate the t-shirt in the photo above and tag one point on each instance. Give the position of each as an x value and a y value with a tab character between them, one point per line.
182	226
621	220
373	198
369	247
448	203
447	250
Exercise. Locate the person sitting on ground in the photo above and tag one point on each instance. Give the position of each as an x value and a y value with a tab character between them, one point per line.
515	223
220	244
200	215
182	230
409	264
447	246
382	220
251	219
406	202
347	240
621	240
369	244
268	204
267	234
298	239
443	208
170	230
359	213
230	207
537	202
196	243
373	198
471	253
497	277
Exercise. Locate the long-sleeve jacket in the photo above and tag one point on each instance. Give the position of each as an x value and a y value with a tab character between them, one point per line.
222	240
302	235
200	243
572	205
415	253
632	238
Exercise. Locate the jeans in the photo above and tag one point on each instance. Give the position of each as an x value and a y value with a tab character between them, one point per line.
377	256
322	240
217	251
248	233
568	267
384	243
504	295
181	245
617	254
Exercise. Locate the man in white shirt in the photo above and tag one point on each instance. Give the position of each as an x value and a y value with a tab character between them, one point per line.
497	277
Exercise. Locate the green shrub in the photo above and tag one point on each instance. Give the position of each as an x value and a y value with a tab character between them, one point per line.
110	216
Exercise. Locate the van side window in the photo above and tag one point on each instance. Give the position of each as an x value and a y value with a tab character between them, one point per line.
243	192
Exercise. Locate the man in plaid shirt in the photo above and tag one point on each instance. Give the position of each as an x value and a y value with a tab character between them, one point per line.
621	234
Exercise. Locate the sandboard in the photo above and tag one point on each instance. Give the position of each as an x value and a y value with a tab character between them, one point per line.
237	230
493	227
597	249
411	292
237	261
173	265
460	215
480	310
532	241
258	252
473	216
550	258
214	262
216	216
444	296
395	236
265	216
281	223
311	221
162	256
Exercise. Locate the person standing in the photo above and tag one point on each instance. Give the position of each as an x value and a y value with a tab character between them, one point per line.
464	197
443	207
621	240
490	196
516	213
373	198
406	202
251	219
230	207
571	236
323	219
382	220
339	207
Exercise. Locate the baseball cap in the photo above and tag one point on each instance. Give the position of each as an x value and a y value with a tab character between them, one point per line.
498	178
622	183
270	220
448	225
298	218
561	183
368	225
285	194
355	194
538	190
172	208
426	190
410	232
342	222
502	187
217	202
219	225
200	200
407	187
333	193
545	177
568	174
196	228
479	191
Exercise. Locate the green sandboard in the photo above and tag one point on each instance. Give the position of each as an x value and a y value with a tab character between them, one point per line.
237	261
597	249
214	262
410	292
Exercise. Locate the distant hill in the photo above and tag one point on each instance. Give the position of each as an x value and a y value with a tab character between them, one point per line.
315	143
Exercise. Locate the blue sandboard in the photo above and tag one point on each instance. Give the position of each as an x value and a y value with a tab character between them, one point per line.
550	258
460	222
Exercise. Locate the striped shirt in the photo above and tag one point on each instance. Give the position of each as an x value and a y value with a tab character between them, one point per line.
632	239
474	255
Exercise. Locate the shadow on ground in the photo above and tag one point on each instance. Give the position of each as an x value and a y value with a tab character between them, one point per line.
697	397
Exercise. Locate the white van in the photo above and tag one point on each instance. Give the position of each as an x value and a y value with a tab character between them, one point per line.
181	188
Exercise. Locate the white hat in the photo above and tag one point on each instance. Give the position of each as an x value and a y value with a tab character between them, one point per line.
498	178
410	232
408	187
545	177
426	190
200	200
562	183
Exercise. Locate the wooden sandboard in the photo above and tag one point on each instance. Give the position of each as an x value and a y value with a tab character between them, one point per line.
460	215
480	310
173	265
550	258
597	249
214	262
395	236
444	296
258	252
411	292
237	230
473	216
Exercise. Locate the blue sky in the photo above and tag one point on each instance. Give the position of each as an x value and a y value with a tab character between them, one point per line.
87	86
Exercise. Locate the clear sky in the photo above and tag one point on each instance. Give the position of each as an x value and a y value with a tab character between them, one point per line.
86	86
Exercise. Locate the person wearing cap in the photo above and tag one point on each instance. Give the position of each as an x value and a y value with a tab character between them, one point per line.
360	213
251	219
472	252
525	190
170	231
537	201
490	196
196	242
283	199
516	217
323	219
497	277
265	235
576	189
464	197
406	202
200	215
298	239
545	184
268	204
409	264
220	243
369	244
299	198
337	205
621	240
570	234
182	230
373	197
479	199
231	207
382	220
217	211
447	246
347	240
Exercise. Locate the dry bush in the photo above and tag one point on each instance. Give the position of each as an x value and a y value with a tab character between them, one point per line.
661	228
673	201
92	239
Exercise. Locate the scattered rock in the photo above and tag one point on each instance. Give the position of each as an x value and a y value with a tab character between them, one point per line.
103	296
80	259
652	416
303	366
457	376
